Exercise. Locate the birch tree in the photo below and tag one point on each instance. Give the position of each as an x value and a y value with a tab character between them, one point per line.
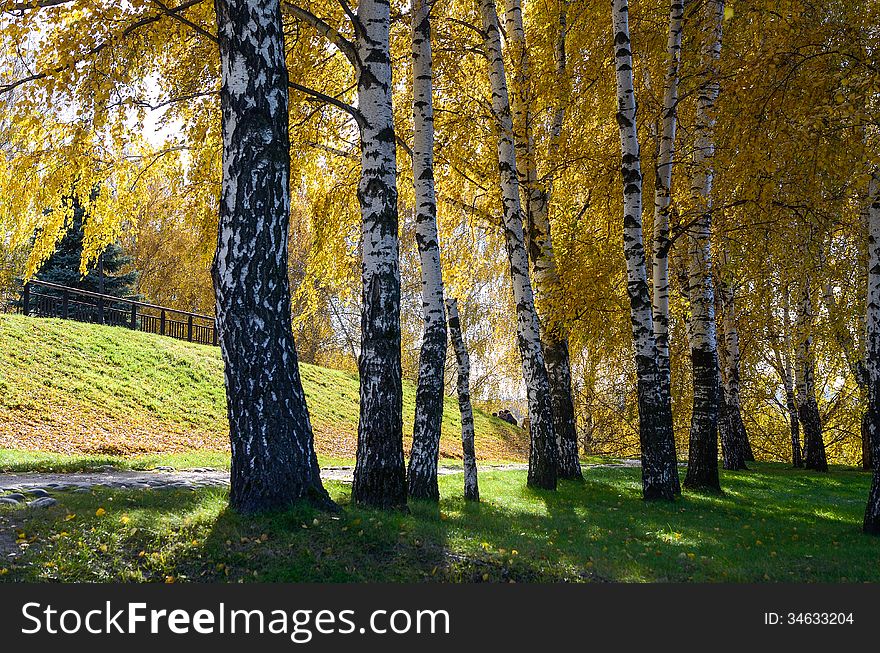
784	368
702	472
380	474
735	448
535	194
872	353
273	456
808	408
655	420
422	473
663	193
471	487
542	451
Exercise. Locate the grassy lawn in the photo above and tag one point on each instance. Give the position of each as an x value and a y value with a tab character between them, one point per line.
83	389
771	524
22	460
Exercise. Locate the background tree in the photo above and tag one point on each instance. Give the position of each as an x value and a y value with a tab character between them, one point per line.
543	450
422	471
112	274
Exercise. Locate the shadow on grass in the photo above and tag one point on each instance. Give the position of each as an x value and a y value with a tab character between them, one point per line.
770	524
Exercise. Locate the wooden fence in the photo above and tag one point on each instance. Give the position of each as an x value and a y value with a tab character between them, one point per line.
44	299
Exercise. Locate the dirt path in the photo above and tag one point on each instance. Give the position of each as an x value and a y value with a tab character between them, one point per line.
189	478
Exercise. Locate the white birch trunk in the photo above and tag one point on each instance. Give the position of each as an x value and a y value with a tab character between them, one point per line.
735	447
703	452
273	457
542	455
655	420
788	383
422	473
663	188
380	474
872	352
535	195
471	487
808	408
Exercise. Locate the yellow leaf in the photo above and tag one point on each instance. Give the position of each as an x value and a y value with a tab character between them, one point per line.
100	512
728	12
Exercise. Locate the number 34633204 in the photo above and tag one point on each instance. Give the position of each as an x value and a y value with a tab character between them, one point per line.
808	618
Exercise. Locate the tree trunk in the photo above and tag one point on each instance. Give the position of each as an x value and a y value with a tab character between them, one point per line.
808	409
662	202
735	448
273	457
542	453
380	474
536	197
794	428
422	475
872	353
655	421
703	454
471	488
788	384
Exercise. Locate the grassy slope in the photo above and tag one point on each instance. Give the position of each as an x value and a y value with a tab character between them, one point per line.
772	524
74	388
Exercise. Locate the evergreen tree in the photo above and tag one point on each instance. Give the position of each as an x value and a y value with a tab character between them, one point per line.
63	266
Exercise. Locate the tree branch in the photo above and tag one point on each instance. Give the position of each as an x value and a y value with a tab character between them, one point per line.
323	97
35	4
198	28
148	20
345	46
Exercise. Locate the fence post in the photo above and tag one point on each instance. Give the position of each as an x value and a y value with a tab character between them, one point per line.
65	303
214	333
162	323
26	299
134	316
189	329
101	309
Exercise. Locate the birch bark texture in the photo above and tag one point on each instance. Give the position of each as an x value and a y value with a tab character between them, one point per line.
655	420
872	354
702	471
542	450
535	194
663	192
788	383
808	408
463	361
273	457
380	473
422	472
735	447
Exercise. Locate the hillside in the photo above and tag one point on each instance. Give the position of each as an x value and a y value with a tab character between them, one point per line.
75	388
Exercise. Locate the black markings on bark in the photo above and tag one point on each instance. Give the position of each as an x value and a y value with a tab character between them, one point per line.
471	486
702	471
273	457
380	474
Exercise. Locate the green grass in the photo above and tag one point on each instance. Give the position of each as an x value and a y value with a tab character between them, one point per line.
82	389
771	524
21	460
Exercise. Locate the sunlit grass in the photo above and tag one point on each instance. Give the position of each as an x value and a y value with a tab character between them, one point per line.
75	388
772	524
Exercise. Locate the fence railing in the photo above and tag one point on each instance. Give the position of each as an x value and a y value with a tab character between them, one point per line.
44	299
